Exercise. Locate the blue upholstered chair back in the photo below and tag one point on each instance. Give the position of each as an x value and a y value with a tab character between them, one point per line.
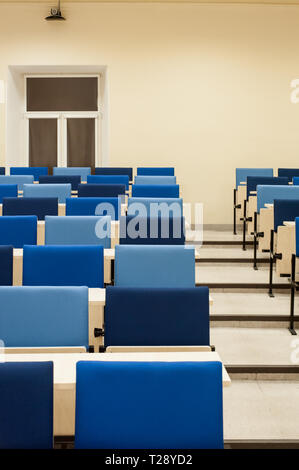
26	405
152	230
288	172
254	181
114	171
156	190
242	173
18	230
152	405
94	206
2	170
109	179
6	263
154	266
148	206
8	190
101	190
62	191
73	180
35	171
44	316
20	180
67	171
155	171
285	210
78	230
150	180
157	316
63	265
267	194
39	206
296	181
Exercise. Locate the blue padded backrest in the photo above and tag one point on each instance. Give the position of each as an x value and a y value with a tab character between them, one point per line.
26	405
254	181
39	206
296	181
18	230
20	180
79	170
267	194
8	190
101	190
285	210
157	316
73	180
109	179
156	190
35	171
155	171
2	170
62	191
288	172
139	179
6	266
154	266
147	206
149	405
93	206
152	230
63	266
114	171
297	235
78	230
242	173
44	316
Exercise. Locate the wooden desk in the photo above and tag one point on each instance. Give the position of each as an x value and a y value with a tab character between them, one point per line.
65	376
265	225
285	244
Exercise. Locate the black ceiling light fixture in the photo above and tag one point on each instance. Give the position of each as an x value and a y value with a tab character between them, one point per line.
55	14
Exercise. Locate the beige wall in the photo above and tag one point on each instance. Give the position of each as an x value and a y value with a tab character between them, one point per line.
203	88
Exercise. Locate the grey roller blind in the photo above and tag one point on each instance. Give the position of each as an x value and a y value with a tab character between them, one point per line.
62	94
81	142
43	142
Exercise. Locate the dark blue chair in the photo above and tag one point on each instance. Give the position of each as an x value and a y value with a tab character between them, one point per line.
149	405
6	265
8	190
136	230
2	170
157	316
39	206
35	171
63	265
114	171
74	180
18	230
284	210
155	171
94	206
101	190
156	190
109	179
288	172
26	405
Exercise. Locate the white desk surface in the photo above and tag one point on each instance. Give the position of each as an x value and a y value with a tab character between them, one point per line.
108	252
268	205
65	364
289	223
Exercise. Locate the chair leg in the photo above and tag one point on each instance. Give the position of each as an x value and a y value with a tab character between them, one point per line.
255	242
235	212
244	226
270	292
292	300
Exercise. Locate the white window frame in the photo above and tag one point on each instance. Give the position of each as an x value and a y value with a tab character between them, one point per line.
62	117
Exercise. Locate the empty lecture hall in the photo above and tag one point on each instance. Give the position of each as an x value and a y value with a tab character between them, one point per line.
149	229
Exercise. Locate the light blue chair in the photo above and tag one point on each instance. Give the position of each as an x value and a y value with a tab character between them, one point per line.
20	180
35	171
44	316
139	179
78	230
149	206
242	173
267	193
79	170
149	405
109	179
154	266
156	171
62	191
